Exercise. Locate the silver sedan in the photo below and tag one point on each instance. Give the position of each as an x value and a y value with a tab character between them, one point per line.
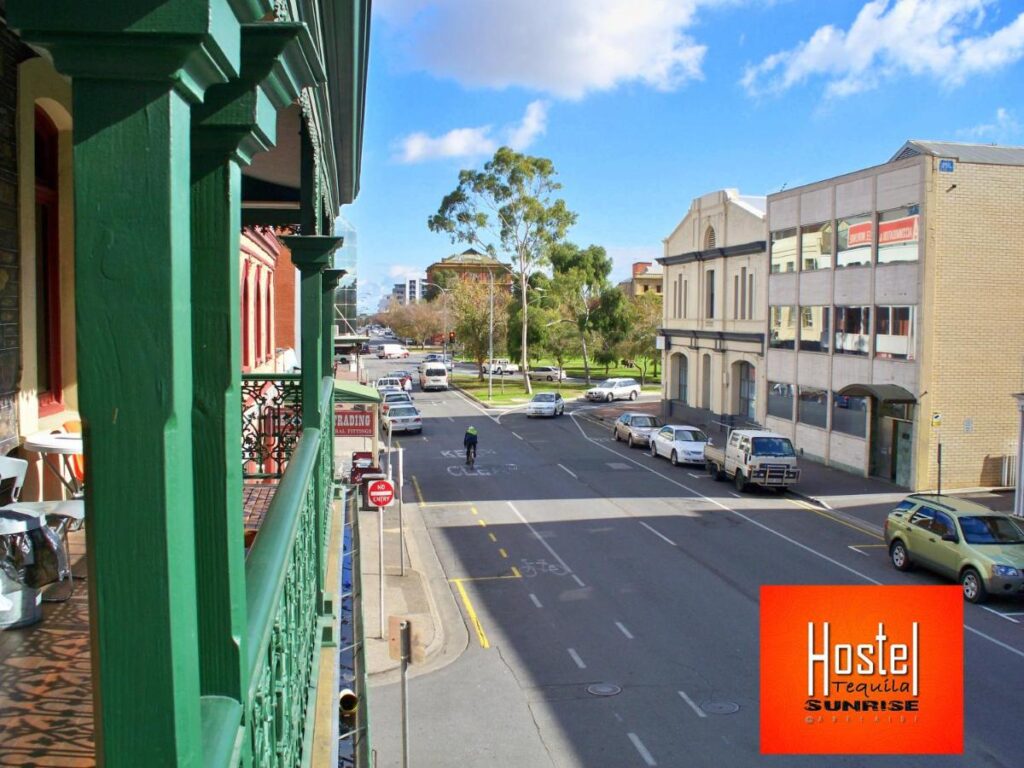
635	428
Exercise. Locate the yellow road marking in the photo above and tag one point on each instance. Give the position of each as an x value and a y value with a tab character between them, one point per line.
833	518
515	573
493	537
480	634
504	554
419	493
482	523
473	510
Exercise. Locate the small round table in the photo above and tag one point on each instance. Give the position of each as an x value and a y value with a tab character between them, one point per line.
63	444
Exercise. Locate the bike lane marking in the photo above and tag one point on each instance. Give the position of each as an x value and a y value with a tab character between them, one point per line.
547	546
574	477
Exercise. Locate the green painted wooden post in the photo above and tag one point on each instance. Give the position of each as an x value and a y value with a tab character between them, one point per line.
133	83
331	278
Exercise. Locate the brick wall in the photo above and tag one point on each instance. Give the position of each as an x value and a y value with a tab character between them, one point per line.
974	352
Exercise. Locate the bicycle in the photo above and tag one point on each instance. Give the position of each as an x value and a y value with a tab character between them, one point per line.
471	455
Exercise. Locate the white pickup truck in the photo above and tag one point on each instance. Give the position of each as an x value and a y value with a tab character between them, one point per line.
501	365
754	457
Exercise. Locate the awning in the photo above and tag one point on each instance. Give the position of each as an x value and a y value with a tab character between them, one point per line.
883	393
354	392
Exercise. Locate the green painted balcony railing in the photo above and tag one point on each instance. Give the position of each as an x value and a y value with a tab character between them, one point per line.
284	600
271	422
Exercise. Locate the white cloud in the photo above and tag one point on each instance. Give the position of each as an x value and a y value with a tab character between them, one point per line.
405	272
1003	127
945	39
474	142
565	48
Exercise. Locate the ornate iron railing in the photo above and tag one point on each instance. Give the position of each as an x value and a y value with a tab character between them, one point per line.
271	422
284	578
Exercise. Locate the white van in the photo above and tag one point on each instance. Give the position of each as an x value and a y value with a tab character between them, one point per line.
433	376
392	350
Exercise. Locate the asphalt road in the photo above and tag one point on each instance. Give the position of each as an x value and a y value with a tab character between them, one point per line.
577	561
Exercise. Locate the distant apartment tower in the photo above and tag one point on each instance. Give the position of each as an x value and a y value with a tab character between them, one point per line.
415	287
714	276
894	319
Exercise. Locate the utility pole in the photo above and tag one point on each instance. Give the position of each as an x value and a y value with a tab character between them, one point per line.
490	344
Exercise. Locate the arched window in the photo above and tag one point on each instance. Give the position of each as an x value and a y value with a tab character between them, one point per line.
682	378
709	238
47	294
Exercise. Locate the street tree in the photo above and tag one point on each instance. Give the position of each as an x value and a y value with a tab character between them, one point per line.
471	307
508	208
644	313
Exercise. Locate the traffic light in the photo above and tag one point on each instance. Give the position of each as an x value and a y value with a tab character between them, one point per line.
451	337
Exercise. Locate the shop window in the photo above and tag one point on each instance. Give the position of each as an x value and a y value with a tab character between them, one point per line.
782	327
816	247
814	329
855	236
812	407
898	235
850	415
47	293
780	400
895	332
853	330
783	251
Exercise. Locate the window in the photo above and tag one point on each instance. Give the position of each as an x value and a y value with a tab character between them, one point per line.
682	374
750	296
812	407
943	524
850	415
897	234
853	330
743	293
686	293
923	518
47	294
747	391
855	234
814	329
709	238
782	327
735	297
709	276
895	331
783	251
780	400
816	247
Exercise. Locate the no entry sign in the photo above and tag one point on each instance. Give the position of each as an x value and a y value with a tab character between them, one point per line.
381	493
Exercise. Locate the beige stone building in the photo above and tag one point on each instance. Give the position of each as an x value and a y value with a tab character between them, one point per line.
713	330
647	278
894	315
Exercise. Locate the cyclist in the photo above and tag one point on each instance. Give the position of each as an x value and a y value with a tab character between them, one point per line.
469	441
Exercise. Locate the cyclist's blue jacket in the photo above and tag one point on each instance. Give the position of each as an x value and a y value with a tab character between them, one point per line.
469	439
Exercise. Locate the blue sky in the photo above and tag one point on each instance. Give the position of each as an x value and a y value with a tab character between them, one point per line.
645	104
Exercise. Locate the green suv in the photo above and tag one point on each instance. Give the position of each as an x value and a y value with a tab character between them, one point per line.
980	548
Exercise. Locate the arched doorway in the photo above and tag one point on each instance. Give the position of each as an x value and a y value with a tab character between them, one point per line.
682	375
705	383
745	376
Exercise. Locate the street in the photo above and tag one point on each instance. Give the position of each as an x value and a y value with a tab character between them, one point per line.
611	602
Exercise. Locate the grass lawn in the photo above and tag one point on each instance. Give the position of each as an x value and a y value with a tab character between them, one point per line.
574	369
513	393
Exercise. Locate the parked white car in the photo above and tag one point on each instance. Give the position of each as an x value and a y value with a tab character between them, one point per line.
389	381
547	373
501	365
390	399
615	389
546	404
679	443
402	418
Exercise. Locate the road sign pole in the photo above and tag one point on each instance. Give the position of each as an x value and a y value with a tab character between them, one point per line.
401	523
380	559
389	450
406	653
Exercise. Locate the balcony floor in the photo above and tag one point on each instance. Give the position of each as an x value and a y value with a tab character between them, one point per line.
45	681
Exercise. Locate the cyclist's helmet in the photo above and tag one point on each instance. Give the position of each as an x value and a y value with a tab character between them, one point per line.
471	430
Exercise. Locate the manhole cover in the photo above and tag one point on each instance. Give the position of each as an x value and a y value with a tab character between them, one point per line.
604	689
720	707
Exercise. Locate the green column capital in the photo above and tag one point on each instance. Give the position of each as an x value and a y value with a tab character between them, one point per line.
332	277
312	253
190	44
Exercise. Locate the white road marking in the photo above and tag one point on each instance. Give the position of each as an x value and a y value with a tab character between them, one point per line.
657	533
536	602
546	545
694	475
735	494
450	419
569	471
515	435
858	551
783	536
700	712
825	505
622	628
1006	616
641	749
576	657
